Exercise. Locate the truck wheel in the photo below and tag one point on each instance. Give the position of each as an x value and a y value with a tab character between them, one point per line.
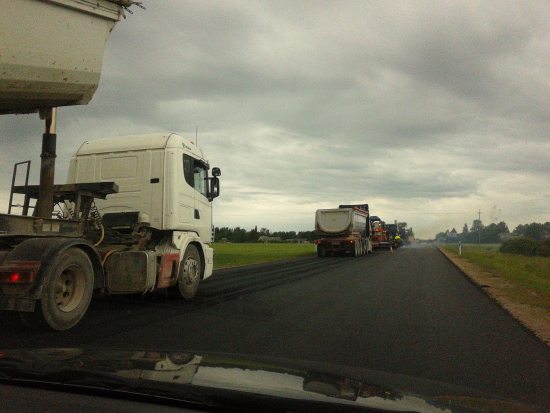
189	275
321	252
67	292
354	249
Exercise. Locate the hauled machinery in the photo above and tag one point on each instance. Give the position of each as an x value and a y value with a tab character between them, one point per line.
380	233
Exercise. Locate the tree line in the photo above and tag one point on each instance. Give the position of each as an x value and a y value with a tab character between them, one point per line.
494	232
239	234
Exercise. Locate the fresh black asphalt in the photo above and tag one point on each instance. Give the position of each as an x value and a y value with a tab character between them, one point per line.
410	312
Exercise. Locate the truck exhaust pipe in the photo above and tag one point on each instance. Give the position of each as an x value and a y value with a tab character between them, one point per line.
44	204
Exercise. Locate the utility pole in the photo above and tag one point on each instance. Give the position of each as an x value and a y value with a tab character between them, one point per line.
479	226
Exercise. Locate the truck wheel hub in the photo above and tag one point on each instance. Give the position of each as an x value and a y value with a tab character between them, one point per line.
69	289
191	270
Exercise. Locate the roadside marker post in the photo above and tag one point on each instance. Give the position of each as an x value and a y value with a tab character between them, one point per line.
460	248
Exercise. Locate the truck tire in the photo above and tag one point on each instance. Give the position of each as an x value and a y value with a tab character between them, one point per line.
321	251
67	292
189	275
354	249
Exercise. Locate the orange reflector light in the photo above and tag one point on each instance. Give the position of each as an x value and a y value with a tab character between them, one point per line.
16	277
18	272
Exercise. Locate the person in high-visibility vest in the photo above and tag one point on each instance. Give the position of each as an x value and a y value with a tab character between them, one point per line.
397	241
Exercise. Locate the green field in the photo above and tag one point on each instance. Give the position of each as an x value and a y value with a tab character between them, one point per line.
234	255
531	273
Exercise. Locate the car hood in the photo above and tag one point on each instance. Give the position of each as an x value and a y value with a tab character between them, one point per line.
240	382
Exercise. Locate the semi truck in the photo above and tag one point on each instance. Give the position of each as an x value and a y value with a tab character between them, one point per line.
345	229
135	214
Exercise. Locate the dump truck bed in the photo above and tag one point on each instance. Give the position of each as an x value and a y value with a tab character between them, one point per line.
341	221
51	52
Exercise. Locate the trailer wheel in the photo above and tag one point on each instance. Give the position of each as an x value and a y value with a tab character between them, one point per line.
189	275
321	251
67	292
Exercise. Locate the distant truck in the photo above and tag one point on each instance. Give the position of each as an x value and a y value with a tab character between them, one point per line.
345	229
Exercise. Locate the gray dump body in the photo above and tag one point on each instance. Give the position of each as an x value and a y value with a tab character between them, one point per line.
341	221
51	52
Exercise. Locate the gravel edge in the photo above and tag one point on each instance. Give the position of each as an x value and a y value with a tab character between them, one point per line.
532	318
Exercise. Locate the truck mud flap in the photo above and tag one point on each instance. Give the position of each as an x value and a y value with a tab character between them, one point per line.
17	303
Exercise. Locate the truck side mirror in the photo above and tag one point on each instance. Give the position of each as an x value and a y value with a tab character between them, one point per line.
216	172
214	190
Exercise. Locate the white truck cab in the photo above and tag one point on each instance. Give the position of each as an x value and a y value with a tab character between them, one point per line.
164	178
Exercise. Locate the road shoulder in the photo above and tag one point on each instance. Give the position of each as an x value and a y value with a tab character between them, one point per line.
533	318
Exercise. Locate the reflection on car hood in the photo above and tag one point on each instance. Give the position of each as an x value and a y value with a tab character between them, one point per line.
216	379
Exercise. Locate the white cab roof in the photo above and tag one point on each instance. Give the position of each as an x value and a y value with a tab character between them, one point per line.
140	143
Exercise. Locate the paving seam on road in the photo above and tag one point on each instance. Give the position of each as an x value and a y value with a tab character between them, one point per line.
208	302
483	288
136	321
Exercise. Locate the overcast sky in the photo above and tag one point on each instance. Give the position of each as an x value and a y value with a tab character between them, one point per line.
428	111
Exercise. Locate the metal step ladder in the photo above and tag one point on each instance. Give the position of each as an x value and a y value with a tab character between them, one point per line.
27	198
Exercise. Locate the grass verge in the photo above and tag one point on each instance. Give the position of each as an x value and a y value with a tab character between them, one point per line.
233	255
529	276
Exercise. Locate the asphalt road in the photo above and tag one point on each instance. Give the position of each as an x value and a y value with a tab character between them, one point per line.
410	312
